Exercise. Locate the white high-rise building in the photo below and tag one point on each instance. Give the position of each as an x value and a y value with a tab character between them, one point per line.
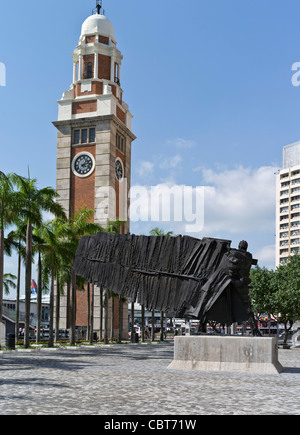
288	204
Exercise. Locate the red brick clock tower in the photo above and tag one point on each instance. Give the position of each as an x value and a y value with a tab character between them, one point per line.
94	140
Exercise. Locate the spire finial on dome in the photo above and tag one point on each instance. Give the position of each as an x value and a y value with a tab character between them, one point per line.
99	8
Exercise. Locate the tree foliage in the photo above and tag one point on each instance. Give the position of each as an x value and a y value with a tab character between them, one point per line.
261	290
160	232
277	293
286	291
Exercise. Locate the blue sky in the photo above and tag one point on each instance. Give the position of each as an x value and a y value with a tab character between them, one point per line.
208	83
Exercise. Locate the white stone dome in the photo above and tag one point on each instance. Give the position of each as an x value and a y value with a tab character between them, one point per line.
98	24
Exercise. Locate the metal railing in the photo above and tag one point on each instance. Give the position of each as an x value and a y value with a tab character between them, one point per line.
11	315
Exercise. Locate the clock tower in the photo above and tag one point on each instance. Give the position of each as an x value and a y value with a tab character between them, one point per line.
94	142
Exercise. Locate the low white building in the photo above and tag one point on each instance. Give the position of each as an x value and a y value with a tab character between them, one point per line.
9	309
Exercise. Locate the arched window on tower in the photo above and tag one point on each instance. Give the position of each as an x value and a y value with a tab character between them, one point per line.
117	74
89	70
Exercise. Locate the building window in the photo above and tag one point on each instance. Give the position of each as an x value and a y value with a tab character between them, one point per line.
284	192
120	143
295	242
296	224
76	137
117	74
284	243
284	209
284	201
92	135
284	175
89	71
295	206
295	173
295	233
103	40
284	226
90	39
84	136
294	215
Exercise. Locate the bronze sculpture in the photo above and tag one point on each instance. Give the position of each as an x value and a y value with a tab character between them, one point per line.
202	279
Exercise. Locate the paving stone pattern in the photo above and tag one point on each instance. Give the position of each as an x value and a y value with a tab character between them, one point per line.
134	380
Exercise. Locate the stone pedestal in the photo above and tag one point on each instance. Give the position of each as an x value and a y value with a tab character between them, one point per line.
231	354
2	335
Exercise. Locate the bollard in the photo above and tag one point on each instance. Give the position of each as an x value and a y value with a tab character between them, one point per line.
11	341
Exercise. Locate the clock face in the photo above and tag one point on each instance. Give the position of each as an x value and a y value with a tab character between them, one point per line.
83	164
119	170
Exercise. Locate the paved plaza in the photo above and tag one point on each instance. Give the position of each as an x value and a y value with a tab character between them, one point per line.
134	380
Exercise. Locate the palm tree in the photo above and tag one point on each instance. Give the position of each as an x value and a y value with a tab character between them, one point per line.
122	300
132	330
113	227
32	203
88	293
92	314
101	313
78	226
106	316
8	208
153	326
159	232
113	297
9	282
16	239
39	299
57	252
162	326
143	323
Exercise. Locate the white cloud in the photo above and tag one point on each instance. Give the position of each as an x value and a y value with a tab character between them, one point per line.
240	200
238	204
145	169
236	201
266	256
182	143
171	163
